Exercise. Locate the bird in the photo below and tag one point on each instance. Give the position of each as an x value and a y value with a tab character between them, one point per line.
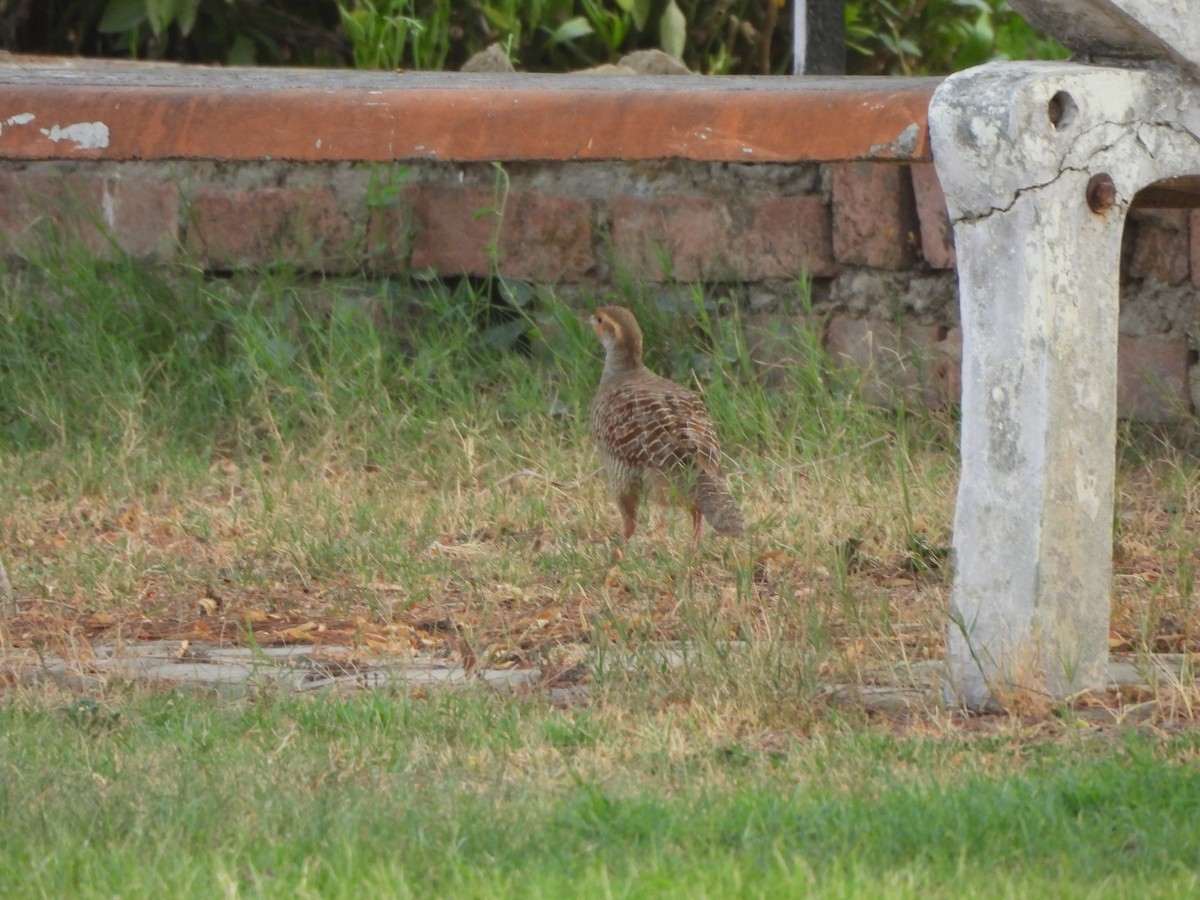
654	435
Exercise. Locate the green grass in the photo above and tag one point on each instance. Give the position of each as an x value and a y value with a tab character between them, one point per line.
477	795
407	465
346	448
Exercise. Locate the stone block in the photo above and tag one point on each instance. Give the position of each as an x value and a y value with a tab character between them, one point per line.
945	381
788	236
546	238
142	216
778	345
389	238
874	216
541	238
937	235
232	228
681	237
1152	378
1160	245
1194	246
453	229
896	361
42	207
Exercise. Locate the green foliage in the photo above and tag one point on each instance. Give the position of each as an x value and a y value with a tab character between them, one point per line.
731	37
100	351
540	35
424	34
918	37
387	34
724	38
126	15
299	32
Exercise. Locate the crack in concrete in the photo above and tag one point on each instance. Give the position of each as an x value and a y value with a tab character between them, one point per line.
1016	196
1130	127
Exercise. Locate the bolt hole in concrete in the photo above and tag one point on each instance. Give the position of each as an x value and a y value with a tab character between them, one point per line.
1061	109
1101	192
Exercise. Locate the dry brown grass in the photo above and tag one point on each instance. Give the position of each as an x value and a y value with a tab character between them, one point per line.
456	558
445	552
445	505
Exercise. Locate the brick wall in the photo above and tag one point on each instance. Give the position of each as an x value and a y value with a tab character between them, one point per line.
873	237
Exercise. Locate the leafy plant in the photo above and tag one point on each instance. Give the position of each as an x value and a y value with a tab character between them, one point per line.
917	37
730	37
392	34
126	15
231	31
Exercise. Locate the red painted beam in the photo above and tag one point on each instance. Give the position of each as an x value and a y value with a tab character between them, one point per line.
82	109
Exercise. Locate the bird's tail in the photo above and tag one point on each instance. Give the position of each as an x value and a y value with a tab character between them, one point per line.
717	505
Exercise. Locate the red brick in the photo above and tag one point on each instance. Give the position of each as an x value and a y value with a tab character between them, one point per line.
1160	245
789	236
937	235
145	216
1152	378
1194	243
680	237
389	238
38	208
874	219
777	345
897	361
546	238
453	229
542	237
141	215
233	228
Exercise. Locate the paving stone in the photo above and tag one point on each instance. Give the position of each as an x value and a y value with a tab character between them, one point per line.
241	671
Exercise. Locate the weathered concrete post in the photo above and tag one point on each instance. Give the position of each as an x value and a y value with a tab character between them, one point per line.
1039	163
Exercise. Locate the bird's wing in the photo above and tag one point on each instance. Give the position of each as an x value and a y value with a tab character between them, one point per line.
659	425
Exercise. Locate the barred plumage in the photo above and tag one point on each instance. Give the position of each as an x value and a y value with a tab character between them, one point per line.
654	435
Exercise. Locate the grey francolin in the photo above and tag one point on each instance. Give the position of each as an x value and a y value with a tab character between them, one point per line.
655	435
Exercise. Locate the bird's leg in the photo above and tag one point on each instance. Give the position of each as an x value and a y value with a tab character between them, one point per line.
627	502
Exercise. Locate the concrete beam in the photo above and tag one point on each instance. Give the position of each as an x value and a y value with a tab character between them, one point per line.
84	109
1122	29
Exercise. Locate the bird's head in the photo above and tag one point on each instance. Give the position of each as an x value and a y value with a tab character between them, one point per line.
618	331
